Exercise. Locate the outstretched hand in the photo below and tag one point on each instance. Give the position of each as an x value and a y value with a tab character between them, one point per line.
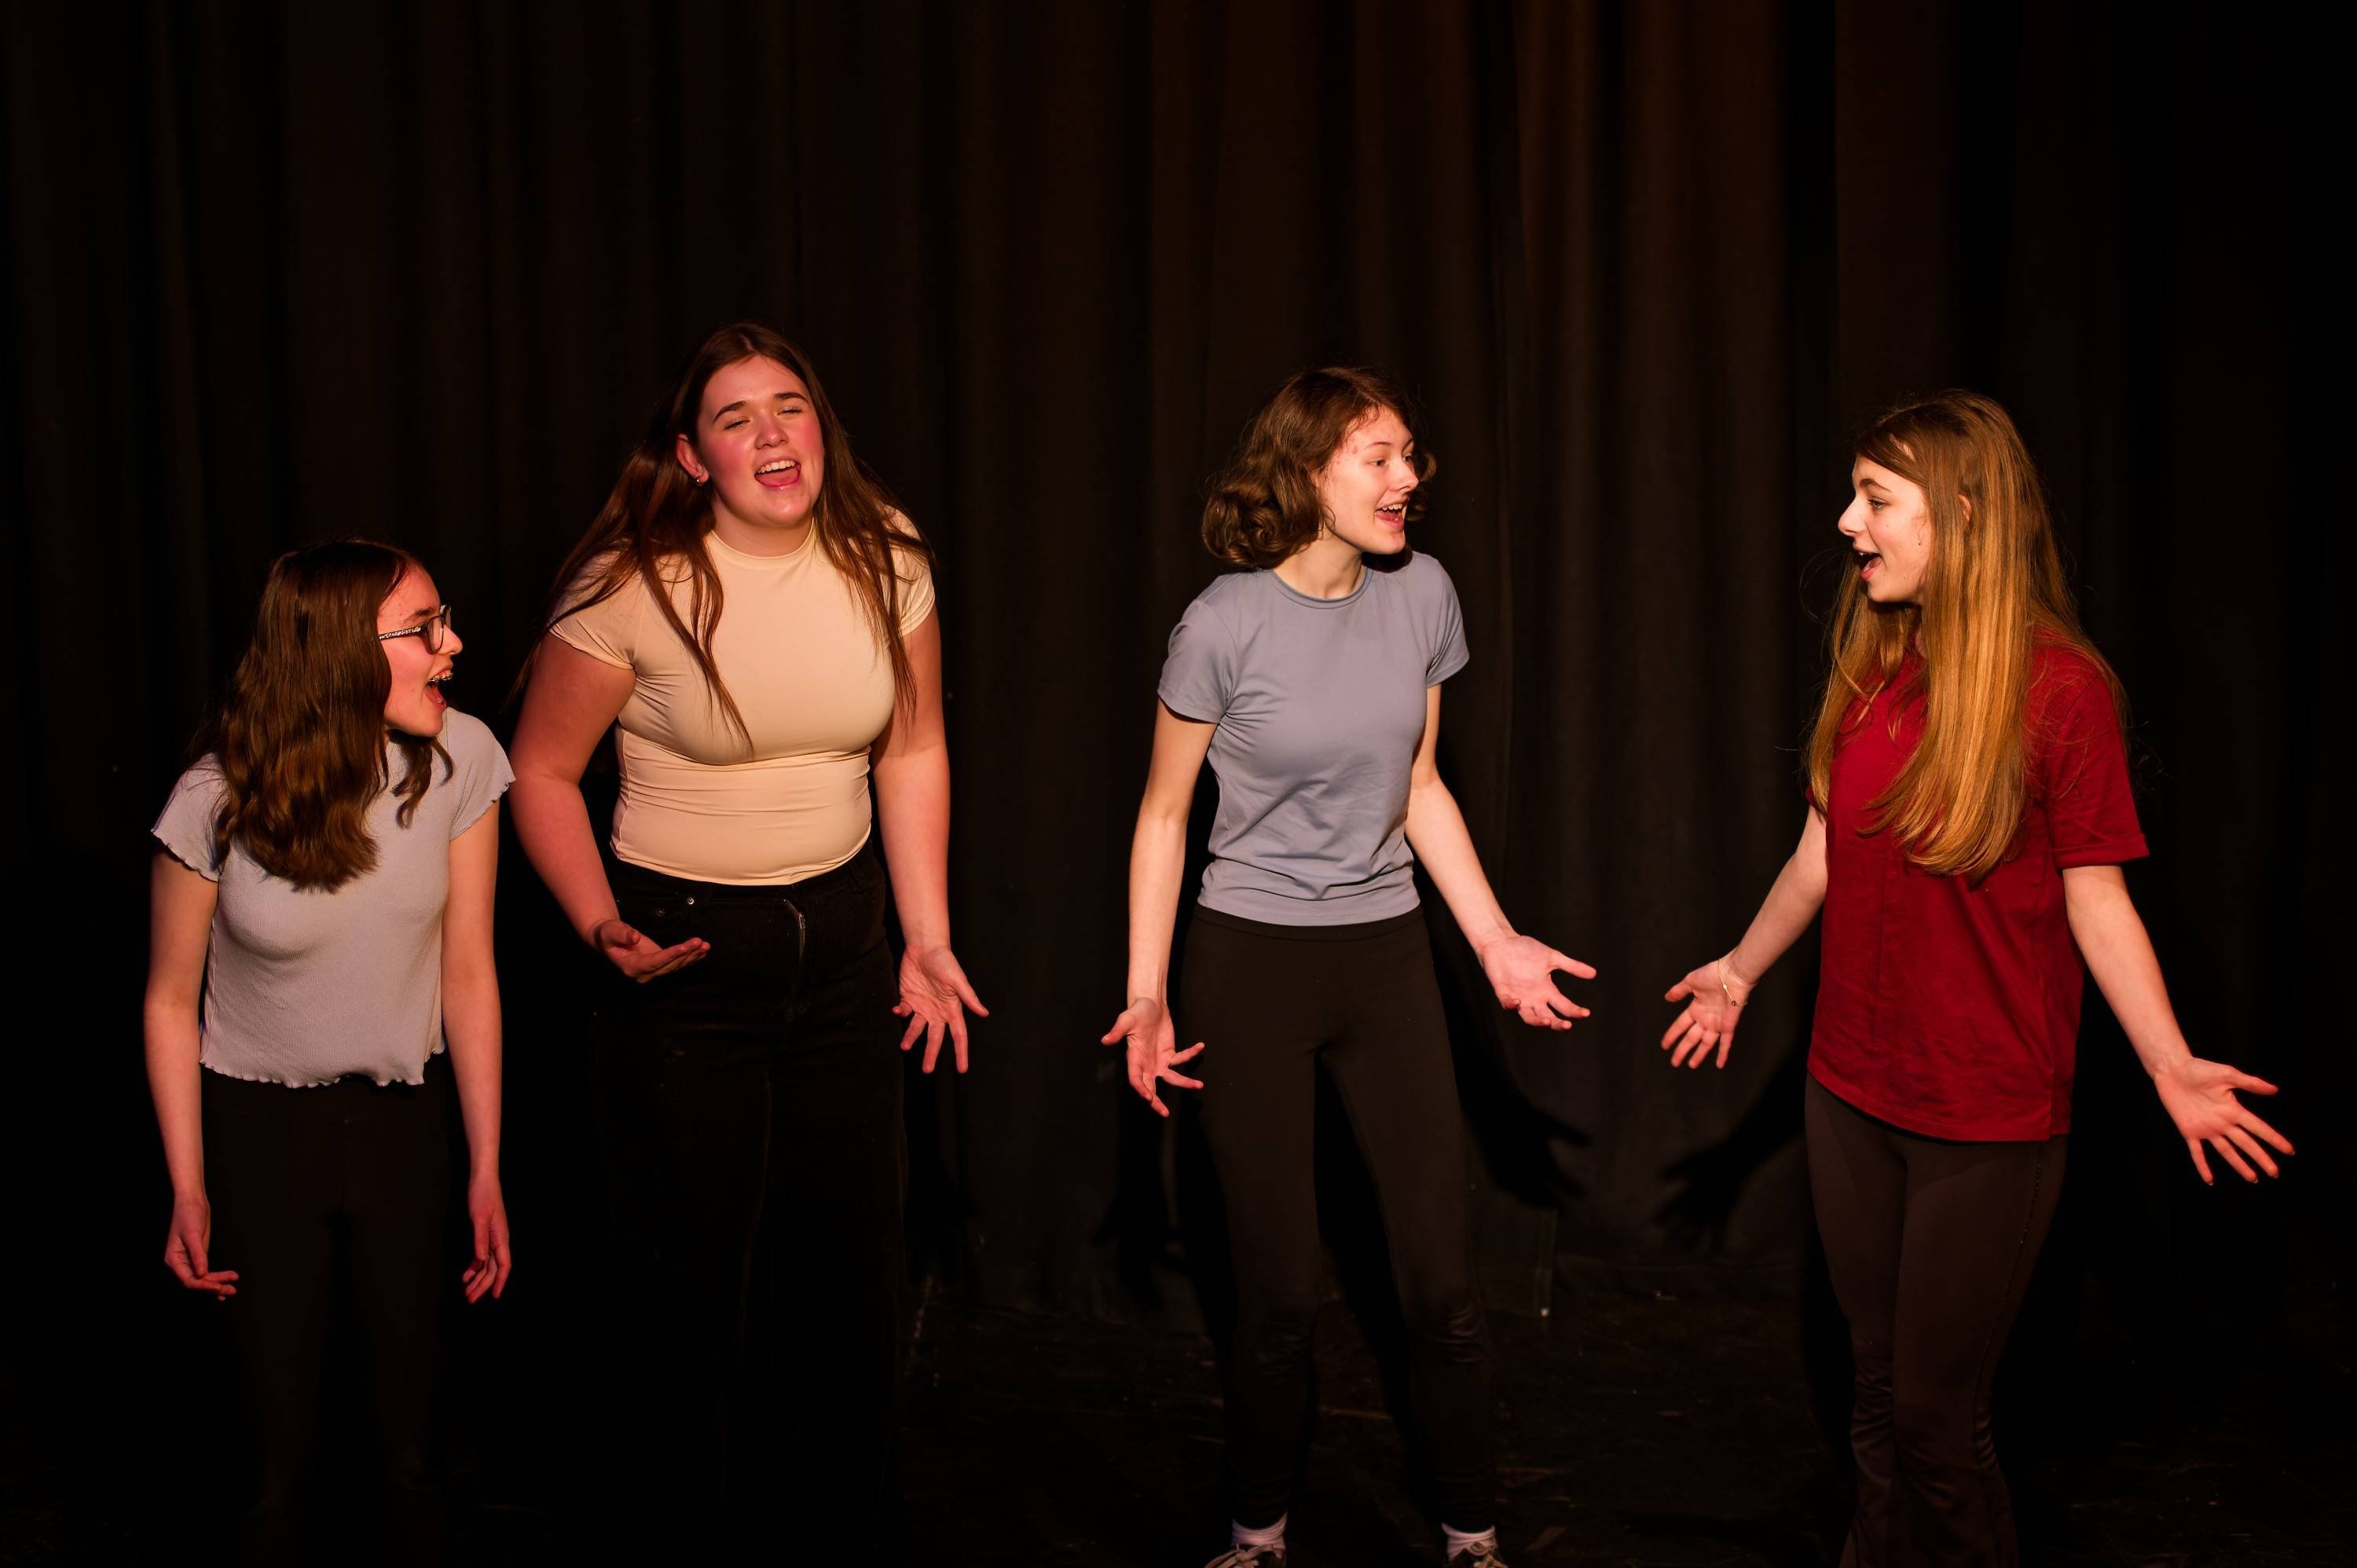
2200	1098
1714	996
935	997
1522	972
1154	1053
638	955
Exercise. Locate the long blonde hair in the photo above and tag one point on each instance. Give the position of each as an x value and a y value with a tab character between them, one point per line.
1993	591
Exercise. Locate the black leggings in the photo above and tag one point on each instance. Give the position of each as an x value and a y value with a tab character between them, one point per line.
295	1178
1272	1002
1931	1244
751	1112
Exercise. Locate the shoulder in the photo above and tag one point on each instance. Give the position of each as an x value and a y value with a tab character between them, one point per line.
200	783
1426	572
2064	677
1230	591
912	556
469	740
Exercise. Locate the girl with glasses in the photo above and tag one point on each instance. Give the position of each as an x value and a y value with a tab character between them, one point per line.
321	931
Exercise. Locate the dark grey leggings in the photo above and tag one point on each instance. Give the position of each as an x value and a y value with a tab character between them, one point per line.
1931	1244
1271	1003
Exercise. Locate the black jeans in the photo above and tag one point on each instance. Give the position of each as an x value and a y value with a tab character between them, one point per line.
1272	1003
1931	1244
301	1179
750	1105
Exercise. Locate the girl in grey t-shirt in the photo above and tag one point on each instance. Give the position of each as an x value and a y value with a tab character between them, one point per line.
322	926
1312	683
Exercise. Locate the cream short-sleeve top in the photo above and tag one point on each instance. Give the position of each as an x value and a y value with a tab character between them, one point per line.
814	682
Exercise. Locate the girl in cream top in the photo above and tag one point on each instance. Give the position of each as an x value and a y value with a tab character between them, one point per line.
815	689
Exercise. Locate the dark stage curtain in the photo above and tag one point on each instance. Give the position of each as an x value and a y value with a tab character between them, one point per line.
281	272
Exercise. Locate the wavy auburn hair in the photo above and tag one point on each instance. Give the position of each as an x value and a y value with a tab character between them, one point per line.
1992	592
299	735
1262	506
654	521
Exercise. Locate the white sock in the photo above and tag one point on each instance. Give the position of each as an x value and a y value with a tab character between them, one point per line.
1457	1541
1272	1536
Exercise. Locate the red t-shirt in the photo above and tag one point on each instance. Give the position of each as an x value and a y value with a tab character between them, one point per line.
1946	1007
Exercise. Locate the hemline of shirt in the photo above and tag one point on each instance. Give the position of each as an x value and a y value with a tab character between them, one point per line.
782	879
1275	910
1907	1118
220	1071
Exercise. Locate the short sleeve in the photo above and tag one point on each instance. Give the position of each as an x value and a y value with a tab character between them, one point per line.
1448	622
2082	773
916	588
479	769
185	827
608	630
1199	674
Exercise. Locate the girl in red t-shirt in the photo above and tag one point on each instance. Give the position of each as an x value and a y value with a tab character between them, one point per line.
1969	813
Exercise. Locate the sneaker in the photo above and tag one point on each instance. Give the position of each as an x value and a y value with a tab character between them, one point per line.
1249	1557
1481	1555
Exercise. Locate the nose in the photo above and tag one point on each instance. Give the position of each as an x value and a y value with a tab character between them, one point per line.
451	640
1851	521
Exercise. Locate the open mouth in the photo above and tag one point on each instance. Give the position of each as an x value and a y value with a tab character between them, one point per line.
780	474
1394	515
1867	561
437	691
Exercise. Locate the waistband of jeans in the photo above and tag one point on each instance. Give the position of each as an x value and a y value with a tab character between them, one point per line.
1357	930
647	880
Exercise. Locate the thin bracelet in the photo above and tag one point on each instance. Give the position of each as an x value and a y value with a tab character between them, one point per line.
1723	991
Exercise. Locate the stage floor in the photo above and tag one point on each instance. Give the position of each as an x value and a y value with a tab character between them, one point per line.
1684	1432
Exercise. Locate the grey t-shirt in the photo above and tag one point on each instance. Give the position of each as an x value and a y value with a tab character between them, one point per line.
304	987
1319	704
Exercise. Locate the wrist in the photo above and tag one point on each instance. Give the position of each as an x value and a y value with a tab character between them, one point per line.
588	934
1489	939
2165	1060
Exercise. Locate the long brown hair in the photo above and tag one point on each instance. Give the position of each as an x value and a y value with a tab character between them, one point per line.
1992	592
656	518
298	736
1262	506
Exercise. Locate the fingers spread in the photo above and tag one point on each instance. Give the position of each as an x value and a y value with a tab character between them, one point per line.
2281	1143
2226	1153
2250	1147
2201	1162
1571	965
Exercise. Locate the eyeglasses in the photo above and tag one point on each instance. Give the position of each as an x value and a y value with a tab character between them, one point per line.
434	628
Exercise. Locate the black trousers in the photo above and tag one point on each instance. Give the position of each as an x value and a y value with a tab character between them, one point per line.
750	1109
305	1182
1931	1245
1272	1003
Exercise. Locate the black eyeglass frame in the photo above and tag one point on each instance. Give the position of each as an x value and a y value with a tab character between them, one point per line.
434	628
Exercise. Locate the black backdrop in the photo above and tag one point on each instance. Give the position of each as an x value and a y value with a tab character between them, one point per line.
276	273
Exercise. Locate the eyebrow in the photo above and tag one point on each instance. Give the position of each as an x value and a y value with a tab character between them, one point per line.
779	396
426	614
1869	480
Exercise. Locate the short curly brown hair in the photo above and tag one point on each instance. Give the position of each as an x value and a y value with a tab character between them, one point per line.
1262	506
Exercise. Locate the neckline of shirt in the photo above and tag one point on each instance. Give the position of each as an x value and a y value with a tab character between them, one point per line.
1366	575
722	550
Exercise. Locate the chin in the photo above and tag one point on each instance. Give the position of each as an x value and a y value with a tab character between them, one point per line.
1390	544
426	726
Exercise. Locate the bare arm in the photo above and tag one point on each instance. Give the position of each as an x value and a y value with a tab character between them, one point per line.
470	1024
180	920
911	768
571	703
2198	1095
1521	969
1716	992
1157	859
